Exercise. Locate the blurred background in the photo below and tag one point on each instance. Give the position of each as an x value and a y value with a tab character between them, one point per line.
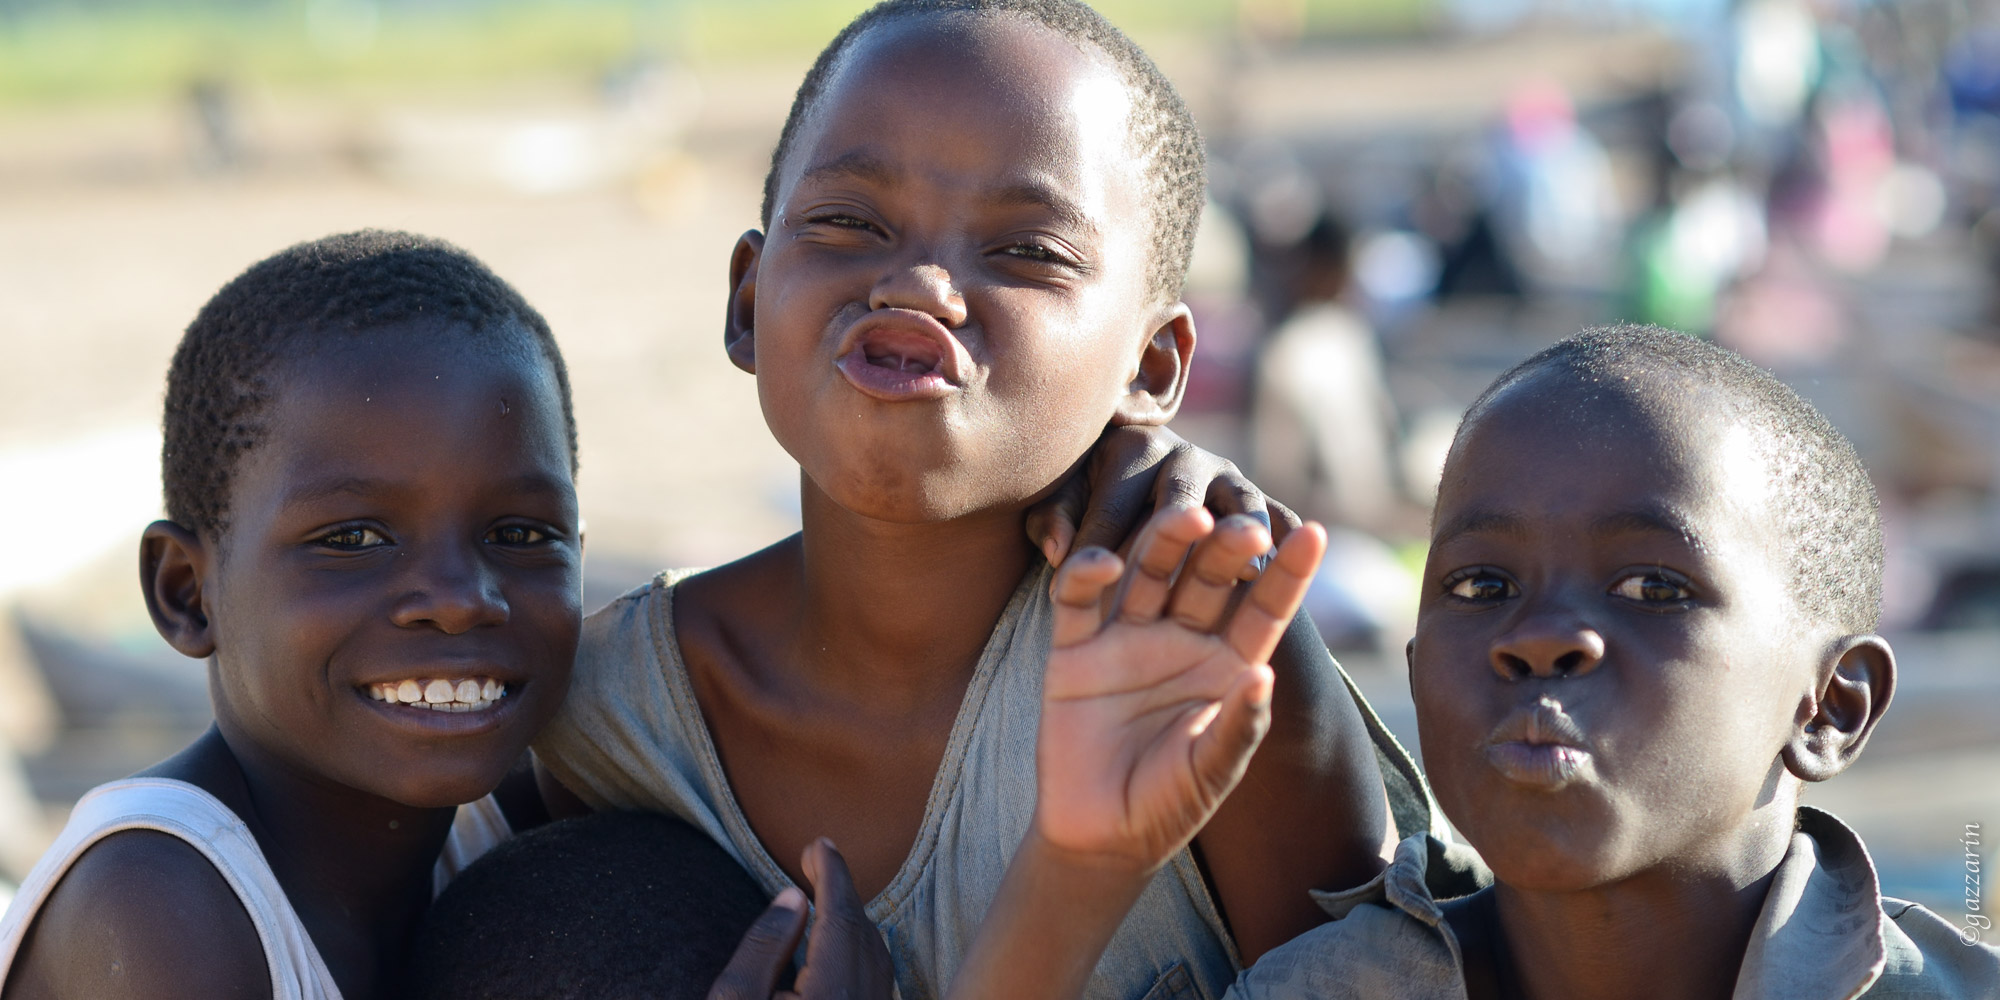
1408	196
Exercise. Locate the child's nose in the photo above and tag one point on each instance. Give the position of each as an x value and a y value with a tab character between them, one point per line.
1547	647
925	288
452	591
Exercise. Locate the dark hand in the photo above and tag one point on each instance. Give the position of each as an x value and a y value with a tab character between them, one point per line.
845	958
1134	471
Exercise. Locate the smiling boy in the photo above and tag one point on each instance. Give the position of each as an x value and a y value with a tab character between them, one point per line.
976	225
373	543
1646	623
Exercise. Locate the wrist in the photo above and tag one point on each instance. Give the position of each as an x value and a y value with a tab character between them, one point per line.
1089	867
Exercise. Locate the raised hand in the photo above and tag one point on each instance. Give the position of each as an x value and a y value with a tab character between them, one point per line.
845	957
1150	716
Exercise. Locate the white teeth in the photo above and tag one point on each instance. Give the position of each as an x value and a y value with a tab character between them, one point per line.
440	695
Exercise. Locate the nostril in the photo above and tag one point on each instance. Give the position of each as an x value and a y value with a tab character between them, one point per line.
1568	662
1515	666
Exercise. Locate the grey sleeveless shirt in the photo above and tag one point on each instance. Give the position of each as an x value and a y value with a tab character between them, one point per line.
630	736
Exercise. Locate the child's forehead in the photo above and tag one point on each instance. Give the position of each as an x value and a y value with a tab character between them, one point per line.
1631	444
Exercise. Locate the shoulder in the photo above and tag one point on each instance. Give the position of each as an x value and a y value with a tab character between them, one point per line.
1929	956
141	914
1376	951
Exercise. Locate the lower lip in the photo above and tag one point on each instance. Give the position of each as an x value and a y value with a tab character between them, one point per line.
431	722
891	385
1538	765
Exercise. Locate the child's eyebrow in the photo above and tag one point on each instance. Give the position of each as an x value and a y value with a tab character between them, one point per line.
1649	520
1480	520
318	491
856	165
1039	195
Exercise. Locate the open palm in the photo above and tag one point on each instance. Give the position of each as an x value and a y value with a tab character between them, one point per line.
1150	716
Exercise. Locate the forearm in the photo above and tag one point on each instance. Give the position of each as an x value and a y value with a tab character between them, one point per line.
1310	811
1053	917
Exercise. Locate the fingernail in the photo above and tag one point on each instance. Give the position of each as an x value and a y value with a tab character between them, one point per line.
791	899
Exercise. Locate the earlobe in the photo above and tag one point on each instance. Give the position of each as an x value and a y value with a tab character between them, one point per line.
172	565
739	331
1154	395
1858	679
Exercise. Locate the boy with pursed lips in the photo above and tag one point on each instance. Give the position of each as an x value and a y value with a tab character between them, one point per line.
976	226
1646	623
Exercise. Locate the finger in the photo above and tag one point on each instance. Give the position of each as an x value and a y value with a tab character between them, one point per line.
1078	590
1260	622
1123	468
1161	548
1185	477
753	972
1283	520
1202	593
846	956
832	885
1230	494
1052	523
1221	752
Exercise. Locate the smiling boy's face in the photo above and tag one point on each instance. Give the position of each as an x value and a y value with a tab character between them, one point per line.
406	525
1609	662
953	296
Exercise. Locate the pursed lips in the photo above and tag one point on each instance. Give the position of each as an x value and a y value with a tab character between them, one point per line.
901	354
1539	746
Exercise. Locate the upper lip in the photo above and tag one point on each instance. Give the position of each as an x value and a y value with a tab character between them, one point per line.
914	330
1543	723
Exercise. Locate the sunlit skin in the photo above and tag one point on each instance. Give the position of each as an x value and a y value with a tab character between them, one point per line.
408	511
1618	695
955	298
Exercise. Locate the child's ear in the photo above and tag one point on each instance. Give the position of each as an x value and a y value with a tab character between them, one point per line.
1154	394
172	564
739	331
1859	676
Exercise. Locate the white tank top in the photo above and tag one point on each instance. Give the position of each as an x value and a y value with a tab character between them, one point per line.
191	814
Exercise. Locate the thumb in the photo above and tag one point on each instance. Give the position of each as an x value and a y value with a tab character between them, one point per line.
1221	753
1051	524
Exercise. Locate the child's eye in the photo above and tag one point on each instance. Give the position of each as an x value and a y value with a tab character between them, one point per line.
1481	585
1040	253
1652	587
517	534
837	219
353	538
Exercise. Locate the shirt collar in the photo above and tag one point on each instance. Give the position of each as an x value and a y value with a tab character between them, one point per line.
1820	933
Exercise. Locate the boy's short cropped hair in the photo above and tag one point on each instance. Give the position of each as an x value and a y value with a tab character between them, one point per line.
220	378
1825	505
607	905
1163	131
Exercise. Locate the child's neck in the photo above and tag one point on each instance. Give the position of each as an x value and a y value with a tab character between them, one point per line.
896	607
356	867
1676	933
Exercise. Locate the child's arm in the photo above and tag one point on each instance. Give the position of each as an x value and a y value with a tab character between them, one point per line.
141	915
1147	724
1311	812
